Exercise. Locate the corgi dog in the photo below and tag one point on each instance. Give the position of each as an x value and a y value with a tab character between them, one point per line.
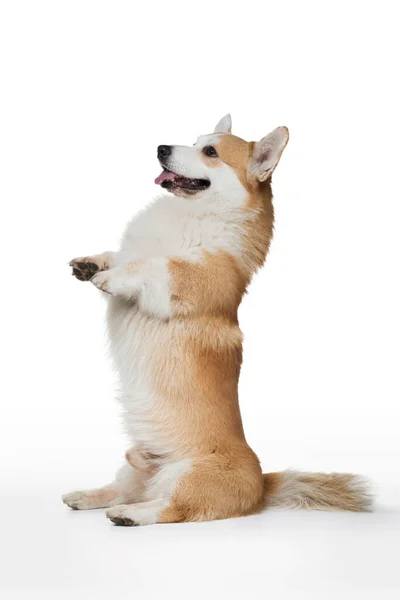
173	291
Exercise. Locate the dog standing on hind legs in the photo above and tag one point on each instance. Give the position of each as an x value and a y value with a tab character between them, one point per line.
173	292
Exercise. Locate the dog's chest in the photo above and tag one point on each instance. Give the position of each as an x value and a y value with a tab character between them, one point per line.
175	231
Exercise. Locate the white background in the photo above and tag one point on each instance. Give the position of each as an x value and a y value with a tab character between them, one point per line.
89	89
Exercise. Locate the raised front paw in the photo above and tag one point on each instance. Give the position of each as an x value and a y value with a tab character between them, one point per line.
121	280
103	281
84	268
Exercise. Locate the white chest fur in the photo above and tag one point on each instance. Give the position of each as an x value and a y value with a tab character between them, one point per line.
173	227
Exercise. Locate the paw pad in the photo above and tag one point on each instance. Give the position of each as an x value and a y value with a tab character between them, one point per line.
83	269
122	521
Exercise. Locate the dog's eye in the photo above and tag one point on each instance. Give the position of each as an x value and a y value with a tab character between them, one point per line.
210	151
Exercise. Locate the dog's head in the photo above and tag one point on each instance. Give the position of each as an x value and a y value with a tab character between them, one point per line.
220	165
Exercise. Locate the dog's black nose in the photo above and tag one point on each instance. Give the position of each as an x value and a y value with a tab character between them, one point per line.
163	151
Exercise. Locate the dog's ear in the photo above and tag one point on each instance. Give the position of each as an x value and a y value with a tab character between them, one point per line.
224	125
267	152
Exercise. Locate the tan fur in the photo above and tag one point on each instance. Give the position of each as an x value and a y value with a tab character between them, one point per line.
213	287
258	231
198	382
220	486
205	422
212	162
237	153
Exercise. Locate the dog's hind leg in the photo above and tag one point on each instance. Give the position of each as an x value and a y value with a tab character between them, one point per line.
97	498
158	493
128	487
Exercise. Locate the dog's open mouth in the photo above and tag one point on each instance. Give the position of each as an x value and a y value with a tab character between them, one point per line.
168	180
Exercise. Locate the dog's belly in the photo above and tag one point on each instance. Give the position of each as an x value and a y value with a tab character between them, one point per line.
174	374
137	344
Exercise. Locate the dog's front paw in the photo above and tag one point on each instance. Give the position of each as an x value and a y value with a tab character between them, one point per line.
84	268
117	282
103	281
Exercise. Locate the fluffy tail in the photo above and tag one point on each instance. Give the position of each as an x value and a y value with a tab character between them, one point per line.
317	491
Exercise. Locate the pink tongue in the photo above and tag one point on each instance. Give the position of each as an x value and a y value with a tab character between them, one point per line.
164	176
